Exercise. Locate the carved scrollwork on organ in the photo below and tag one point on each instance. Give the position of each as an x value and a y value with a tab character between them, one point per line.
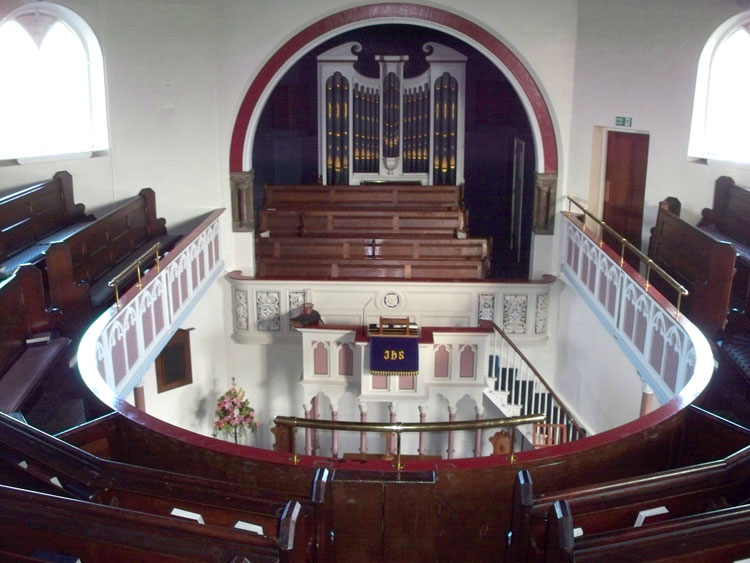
390	127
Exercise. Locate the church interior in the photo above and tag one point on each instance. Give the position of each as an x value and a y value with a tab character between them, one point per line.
342	281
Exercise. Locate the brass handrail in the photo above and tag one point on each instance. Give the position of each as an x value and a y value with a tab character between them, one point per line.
399	427
538	375
650	264
135	265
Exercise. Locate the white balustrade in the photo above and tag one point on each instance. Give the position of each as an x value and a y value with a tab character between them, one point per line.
127	341
661	346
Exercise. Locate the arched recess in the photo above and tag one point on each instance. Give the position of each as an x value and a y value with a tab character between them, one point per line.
540	118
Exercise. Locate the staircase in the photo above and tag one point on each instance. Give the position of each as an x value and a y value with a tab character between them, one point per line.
517	389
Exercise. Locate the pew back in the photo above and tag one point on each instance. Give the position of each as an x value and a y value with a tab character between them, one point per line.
704	265
31	214
403	196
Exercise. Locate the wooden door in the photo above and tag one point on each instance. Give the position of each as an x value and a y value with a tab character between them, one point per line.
624	187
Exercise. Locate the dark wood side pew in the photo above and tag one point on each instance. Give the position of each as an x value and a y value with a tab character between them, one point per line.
369	222
729	220
396	196
714	535
31	522
33	217
616	505
35	460
24	316
81	267
704	265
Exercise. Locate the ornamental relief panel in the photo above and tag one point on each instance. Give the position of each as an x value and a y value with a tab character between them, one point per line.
542	312
515	314
268	311
240	310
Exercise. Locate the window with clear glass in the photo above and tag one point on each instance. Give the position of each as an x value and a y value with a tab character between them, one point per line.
52	99
721	114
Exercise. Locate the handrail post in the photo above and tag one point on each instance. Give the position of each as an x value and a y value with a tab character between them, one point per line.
649	264
398	455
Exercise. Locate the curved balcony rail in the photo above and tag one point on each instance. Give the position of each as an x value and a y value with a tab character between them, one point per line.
397	428
126	339
660	343
625	245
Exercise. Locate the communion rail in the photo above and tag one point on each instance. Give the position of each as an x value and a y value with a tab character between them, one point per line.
398	428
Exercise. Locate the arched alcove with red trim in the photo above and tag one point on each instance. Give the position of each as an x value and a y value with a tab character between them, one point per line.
524	83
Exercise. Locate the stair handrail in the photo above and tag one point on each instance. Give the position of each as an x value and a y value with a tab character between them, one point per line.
539	377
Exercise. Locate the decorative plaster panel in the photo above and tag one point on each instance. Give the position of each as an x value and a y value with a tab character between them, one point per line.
268	312
514	314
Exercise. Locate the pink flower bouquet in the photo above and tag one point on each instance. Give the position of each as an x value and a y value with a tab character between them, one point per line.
233	414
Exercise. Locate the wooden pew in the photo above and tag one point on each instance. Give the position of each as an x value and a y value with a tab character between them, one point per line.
704	265
334	268
616	505
280	222
393	248
80	268
729	220
23	314
32	459
396	196
33	217
715	535
31	522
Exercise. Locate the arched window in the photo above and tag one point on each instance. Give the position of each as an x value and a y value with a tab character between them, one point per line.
721	114
52	98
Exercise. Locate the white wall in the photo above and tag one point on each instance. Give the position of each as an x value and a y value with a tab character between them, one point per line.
639	58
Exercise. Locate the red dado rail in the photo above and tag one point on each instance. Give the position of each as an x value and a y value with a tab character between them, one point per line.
115	352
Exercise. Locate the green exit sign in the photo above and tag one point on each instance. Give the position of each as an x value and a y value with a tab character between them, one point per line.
622	121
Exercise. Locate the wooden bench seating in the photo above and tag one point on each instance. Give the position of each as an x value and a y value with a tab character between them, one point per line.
35	216
23	314
602	508
33	522
365	247
701	263
396	196
80	268
715	535
458	269
729	220
32	459
360	221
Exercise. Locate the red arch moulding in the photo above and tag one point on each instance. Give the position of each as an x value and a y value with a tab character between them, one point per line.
406	12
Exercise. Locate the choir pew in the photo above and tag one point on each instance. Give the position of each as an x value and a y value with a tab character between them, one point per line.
375	222
396	196
35	216
394	248
347	268
81	267
23	314
704	265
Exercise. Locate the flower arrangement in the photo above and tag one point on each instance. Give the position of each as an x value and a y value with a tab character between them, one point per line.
233	414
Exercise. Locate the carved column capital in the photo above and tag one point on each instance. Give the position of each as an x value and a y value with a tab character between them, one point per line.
545	195
241	184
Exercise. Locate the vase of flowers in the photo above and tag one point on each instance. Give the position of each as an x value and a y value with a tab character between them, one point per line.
233	415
